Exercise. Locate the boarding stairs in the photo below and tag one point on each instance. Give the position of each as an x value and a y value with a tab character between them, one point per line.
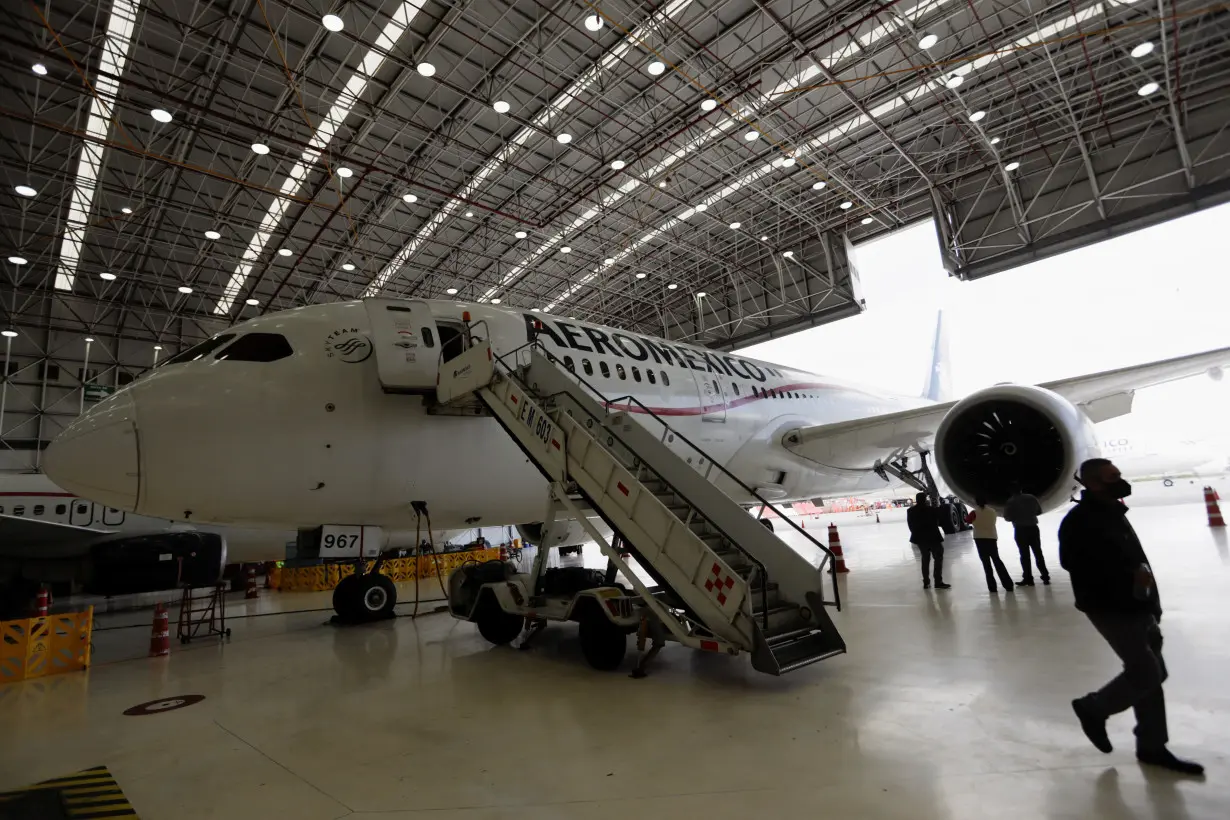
725	582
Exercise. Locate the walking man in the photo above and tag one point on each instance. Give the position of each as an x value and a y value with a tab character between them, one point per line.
986	538
1023	510
1114	587
925	532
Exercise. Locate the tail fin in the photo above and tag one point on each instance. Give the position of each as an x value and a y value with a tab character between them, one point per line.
939	381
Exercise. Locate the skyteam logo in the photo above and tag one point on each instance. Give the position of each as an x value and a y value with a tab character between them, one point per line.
348	344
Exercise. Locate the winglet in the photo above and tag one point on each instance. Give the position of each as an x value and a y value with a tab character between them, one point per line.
939	381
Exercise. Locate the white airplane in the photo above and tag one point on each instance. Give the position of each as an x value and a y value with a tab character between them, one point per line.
327	414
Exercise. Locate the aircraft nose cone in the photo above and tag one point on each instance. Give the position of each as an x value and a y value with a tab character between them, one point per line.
96	456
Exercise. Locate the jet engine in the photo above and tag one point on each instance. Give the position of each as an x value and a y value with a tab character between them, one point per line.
562	533
1014	434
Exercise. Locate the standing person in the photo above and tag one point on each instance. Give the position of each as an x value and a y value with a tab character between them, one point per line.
926	533
986	538
1023	510
1114	587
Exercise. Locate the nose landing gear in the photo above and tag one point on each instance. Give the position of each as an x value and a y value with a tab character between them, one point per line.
364	597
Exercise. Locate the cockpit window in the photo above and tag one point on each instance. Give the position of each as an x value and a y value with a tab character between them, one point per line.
197	351
257	347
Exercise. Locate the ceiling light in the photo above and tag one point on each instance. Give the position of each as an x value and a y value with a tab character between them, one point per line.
252	302
701	207
656	67
110	277
788	254
469	214
564	138
125	210
816	186
410	199
1012	166
995	140
608	261
157	347
752	136
671	286
662	184
426	69
501	107
593	22
928	40
788	162
701	294
954	80
212	235
734	226
566	249
344	172
640	276
764	239
260	148
708	105
160	114
8	334
618	165
347	266
451	291
867	220
977	116
185	289
41	70
89	339
284	251
17	260
521	234
1147	89
25	190
1142	50
495	301
332	22
847	205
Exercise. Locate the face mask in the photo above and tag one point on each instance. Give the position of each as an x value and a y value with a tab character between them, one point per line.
1119	489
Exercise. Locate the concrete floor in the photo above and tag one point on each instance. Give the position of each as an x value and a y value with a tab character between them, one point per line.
949	705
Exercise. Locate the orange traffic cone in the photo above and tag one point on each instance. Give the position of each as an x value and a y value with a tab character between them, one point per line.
42	603
251	591
160	638
835	548
1210	502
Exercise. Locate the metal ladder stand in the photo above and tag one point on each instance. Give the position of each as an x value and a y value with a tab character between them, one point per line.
724	582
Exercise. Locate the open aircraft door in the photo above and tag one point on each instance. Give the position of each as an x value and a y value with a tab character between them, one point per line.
404	339
712	396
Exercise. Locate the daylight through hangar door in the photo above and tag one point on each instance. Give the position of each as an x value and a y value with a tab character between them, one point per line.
405	341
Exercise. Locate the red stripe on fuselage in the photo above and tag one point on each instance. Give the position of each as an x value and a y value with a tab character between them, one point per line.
730	405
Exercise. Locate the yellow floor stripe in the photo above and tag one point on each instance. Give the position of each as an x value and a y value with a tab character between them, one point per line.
91	793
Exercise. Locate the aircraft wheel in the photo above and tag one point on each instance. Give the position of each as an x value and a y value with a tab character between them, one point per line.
497	626
768	525
603	643
377	595
344	595
947	516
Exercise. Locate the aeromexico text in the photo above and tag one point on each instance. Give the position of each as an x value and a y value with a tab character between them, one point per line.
566	335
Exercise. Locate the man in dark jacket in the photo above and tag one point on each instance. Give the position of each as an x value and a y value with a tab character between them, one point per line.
1023	510
1114	587
925	532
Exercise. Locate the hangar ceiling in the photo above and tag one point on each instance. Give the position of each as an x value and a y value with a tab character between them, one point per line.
689	168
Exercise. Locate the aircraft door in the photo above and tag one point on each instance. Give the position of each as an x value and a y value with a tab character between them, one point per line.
111	517
405	341
712	396
81	512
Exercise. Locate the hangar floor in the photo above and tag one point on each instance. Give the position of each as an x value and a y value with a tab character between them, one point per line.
950	704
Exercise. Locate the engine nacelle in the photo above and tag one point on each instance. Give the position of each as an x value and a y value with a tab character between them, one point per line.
562	533
1014	434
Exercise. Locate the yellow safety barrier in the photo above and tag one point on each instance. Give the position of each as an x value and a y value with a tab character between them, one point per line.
399	570
36	647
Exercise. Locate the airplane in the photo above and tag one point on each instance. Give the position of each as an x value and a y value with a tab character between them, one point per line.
328	414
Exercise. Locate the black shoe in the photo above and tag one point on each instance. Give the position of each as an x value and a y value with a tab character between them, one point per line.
1093	726
942	585
1008	587
1046	582
1025	582
926	584
993	589
638	673
1164	759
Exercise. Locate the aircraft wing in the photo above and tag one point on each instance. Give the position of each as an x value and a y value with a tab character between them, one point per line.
22	537
858	444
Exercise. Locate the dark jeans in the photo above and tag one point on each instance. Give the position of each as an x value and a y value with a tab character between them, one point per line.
988	553
932	550
1028	537
1137	640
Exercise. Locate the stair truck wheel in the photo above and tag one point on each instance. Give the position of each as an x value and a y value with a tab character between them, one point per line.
496	625
946	515
377	595
603	643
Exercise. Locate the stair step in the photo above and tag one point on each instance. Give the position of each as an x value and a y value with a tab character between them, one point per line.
807	650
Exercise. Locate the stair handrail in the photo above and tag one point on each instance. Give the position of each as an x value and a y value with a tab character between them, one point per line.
535	346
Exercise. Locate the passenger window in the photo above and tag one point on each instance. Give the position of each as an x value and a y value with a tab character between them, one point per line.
623	375
82	509
19	510
197	351
38	509
568	364
589	368
1	510
60	509
257	347
666	380
649	375
606	371
636	374
429	339
735	385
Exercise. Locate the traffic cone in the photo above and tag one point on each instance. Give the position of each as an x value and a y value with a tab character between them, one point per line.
160	638
251	591
1210	502
835	548
42	603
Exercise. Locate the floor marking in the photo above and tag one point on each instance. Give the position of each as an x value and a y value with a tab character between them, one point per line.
92	793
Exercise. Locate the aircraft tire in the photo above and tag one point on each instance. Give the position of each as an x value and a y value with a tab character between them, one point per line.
498	626
603	643
768	525
344	597
947	516
375	597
